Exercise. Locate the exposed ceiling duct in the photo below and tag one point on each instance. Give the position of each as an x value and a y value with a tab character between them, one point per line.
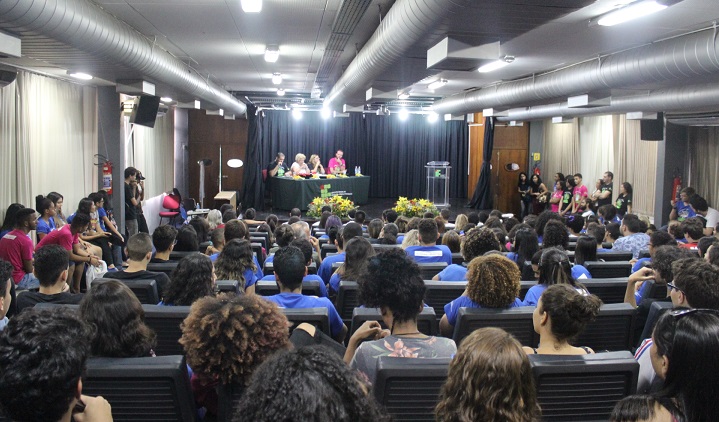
684	99
86	26
676	59
403	26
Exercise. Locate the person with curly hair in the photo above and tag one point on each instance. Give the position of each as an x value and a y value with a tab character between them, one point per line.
560	316
119	321
235	263
492	282
193	278
411	238
392	283
225	338
310	383
477	242
42	361
357	253
489	379
290	268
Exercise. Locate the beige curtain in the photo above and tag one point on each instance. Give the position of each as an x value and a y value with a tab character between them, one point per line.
561	149
8	167
596	148
636	163
154	152
703	153
48	139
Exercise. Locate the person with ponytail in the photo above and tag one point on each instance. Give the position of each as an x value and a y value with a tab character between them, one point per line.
58	199
561	314
46	222
554	268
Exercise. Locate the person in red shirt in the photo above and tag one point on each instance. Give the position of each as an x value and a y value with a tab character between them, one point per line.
16	247
68	238
693	230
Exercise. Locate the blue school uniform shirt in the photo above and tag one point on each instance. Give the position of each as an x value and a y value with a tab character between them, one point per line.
640	263
258	274
454	272
325	270
452	308
512	256
101	214
429	254
534	292
579	271
300	301
44	227
684	211
308	277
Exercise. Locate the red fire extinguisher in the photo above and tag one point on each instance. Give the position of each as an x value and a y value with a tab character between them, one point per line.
677	187
107	177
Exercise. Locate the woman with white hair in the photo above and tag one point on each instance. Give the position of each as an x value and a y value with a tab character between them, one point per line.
299	166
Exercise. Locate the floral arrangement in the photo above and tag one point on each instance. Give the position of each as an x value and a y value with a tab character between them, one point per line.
414	207
340	206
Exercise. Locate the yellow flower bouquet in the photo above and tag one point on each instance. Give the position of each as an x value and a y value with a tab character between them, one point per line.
414	207
339	205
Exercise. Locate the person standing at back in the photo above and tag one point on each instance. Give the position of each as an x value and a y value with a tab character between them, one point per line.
429	251
131	225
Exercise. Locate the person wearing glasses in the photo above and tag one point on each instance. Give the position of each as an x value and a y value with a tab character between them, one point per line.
695	285
683	355
139	251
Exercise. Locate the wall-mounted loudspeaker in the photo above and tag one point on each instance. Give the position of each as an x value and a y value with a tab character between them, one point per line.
652	130
144	112
7	77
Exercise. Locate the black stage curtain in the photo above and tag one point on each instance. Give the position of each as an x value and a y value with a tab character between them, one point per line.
253	189
393	152
482	198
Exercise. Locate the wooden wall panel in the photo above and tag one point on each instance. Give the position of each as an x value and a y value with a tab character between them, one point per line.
476	144
511	137
205	136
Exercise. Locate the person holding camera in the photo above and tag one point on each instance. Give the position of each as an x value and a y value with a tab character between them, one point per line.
131	202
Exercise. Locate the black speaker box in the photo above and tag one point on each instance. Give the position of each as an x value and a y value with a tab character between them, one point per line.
652	130
144	112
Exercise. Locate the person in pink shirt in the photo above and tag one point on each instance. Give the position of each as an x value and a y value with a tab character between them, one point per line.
337	164
16	248
68	238
580	192
556	198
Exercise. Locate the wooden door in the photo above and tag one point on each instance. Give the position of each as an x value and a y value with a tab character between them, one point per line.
506	166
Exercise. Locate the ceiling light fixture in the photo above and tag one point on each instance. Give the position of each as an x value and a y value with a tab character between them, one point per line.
297	114
280	92
251	6
277	78
631	12
80	75
403	114
326	113
432	117
497	64
166	99
439	83
272	53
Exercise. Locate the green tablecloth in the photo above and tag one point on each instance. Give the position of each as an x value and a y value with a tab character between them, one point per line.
288	193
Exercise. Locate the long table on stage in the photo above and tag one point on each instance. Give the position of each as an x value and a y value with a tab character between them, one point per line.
288	193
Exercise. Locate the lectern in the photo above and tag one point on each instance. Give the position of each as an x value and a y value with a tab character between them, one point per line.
438	182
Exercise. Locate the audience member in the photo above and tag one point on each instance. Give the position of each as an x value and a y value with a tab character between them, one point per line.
290	267
598	232
217	242
235	263
51	269
163	239
542	220
492	282
202	228
320	387
193	278
565	206
411	238
131	201
489	379
555	235
693	230
686	343
186	240
633	239
58	200
225	338
681	210
579	193
389	215
658	238
623	203
613	233
701	208
249	217
94	238
575	224
586	250
139	253
16	248
349	231
453	241
6	298
561	314
554	268
46	222
9	221
460	222
228	216
388	235
393	284
374	228
641	408
476	243
42	361
306	248
428	250
119	321
272	221
214	219
358	252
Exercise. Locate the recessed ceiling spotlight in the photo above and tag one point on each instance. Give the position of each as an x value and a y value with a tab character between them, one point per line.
80	75
251	6
403	114
280	92
326	113
630	12
432	117
272	53
497	64
166	99
277	78
439	83
296	114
